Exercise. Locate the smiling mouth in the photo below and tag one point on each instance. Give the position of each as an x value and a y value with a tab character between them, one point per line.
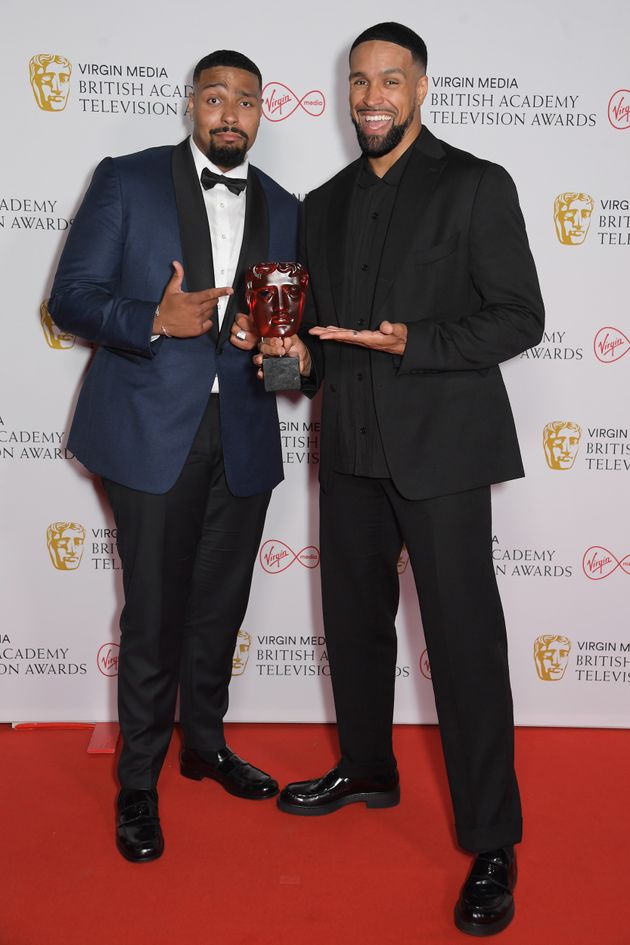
374	122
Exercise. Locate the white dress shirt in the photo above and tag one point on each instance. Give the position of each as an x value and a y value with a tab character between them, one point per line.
226	220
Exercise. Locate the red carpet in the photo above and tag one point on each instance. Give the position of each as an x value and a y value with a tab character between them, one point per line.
236	871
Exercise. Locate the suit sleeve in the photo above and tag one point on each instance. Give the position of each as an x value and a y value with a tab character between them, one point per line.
511	317
85	299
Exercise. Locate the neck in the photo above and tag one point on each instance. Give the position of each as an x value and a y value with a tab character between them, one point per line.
381	165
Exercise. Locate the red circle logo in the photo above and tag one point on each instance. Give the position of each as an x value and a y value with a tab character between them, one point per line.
425	666
619	109
107	659
610	344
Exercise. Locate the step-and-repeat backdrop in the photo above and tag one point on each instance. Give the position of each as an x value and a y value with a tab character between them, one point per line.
542	88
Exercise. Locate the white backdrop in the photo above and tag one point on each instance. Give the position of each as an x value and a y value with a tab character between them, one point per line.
543	89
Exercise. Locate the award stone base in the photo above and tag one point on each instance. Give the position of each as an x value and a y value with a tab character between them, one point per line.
281	373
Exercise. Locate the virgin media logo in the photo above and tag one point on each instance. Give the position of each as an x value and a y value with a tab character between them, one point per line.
619	109
599	563
280	102
275	556
610	345
107	659
425	666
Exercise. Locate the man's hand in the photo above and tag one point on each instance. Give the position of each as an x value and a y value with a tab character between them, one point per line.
292	345
243	333
186	314
391	337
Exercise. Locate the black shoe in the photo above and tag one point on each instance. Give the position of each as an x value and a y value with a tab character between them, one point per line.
486	903
327	794
138	833
235	775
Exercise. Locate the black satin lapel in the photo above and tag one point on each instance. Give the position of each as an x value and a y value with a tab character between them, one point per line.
254	248
416	187
193	223
337	230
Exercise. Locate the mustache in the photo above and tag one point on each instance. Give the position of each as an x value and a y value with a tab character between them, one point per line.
227	129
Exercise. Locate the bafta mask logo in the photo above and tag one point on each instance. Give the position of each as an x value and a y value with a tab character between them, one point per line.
551	656
572	217
55	337
241	652
561	441
65	542
50	81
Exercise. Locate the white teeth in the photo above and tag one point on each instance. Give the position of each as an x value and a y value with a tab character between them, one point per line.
377	117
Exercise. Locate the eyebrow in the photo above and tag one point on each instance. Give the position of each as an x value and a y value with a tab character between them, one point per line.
354	75
221	85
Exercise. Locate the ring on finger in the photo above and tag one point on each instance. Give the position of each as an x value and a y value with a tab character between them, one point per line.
241	335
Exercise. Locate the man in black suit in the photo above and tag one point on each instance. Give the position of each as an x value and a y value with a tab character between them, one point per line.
421	283
171	417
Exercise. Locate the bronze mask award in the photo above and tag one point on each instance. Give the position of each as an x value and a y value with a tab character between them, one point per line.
275	294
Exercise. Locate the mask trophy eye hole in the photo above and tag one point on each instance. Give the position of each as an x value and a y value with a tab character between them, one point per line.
265	295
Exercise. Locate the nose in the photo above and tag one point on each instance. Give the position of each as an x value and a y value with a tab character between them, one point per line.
229	114
372	94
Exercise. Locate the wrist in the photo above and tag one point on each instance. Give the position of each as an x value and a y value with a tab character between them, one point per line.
159	328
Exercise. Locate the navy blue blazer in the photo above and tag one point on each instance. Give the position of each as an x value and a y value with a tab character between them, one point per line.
142	401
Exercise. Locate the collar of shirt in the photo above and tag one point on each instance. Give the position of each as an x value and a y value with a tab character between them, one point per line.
393	177
202	161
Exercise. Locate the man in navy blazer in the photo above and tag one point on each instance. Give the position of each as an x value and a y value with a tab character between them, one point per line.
172	418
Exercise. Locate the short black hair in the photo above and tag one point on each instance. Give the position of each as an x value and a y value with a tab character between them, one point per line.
398	34
226	57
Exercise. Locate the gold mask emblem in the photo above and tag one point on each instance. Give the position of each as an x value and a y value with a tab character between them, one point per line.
241	652
551	656
55	337
65	542
572	217
50	80
561	441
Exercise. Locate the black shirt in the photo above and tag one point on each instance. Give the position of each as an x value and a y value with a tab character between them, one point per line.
359	447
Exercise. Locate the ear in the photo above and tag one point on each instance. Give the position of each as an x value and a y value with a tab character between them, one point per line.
191	104
422	87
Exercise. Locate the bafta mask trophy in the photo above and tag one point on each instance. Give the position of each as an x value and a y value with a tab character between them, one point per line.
275	294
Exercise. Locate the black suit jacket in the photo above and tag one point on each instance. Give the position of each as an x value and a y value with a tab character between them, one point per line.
457	269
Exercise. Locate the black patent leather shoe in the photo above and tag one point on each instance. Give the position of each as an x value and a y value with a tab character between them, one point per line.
486	902
235	775
328	794
138	832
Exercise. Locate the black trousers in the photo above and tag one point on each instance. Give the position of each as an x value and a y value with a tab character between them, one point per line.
364	523
187	559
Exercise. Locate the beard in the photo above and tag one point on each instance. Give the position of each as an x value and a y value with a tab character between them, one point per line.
227	155
378	145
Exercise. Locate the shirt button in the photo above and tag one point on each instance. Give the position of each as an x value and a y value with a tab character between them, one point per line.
362	430
375	216
222	205
364	267
223	236
359	376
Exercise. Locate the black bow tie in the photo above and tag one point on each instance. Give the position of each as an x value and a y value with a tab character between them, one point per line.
235	185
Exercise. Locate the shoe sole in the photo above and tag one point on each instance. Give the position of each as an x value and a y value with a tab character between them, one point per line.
482	931
194	775
375	800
